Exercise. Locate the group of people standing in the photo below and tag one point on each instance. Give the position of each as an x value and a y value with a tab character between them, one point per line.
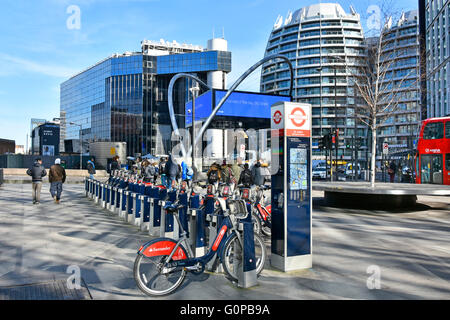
239	173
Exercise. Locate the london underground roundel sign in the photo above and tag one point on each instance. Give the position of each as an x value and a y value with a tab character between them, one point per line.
298	117
277	117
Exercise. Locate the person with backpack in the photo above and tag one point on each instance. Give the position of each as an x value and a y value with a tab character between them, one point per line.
237	168
148	171
227	173
91	168
258	174
37	172
246	178
56	177
214	174
114	165
172	172
186	173
162	171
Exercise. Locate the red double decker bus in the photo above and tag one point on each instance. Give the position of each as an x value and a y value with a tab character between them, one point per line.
433	152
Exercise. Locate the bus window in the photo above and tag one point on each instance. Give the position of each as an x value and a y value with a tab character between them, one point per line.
447	129
447	160
433	130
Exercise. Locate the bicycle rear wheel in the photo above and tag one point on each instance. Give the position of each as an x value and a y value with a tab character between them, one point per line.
232	256
151	277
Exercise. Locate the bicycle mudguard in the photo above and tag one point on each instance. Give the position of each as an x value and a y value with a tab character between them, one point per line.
163	247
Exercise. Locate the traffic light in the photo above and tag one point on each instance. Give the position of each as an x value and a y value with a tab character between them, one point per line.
328	141
348	144
358	143
321	143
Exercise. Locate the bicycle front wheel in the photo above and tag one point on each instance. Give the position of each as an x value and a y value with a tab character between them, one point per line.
233	252
153	278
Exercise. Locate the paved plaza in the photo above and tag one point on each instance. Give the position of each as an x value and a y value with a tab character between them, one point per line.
356	254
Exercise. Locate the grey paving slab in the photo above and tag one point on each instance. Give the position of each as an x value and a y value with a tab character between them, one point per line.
51	290
410	249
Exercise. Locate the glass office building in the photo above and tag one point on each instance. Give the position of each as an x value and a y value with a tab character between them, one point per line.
435	28
400	46
124	97
326	47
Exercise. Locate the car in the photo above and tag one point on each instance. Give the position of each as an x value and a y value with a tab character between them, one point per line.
349	170
319	173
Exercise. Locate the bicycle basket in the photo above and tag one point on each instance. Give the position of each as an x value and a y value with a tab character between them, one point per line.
237	207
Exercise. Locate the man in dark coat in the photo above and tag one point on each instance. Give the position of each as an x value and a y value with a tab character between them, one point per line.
37	172
172	171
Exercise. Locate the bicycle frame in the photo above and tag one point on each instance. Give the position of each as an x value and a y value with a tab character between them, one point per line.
167	246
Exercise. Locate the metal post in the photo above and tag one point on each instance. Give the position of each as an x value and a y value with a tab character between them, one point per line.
194	92
335	121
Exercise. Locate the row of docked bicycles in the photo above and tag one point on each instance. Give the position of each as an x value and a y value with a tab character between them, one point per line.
162	264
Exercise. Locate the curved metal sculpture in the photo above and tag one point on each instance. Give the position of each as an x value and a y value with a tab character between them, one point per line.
170	102
229	92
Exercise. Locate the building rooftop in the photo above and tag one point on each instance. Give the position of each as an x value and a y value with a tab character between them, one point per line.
322	10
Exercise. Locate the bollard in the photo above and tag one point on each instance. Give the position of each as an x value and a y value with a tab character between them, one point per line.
130	214
108	197
247	269
89	188
123	208
86	186
103	198
98	200
118	201
182	214
136	208
137	205
160	193
112	191
167	221
197	227
145	213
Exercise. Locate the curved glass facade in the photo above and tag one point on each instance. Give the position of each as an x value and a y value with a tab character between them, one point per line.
326	46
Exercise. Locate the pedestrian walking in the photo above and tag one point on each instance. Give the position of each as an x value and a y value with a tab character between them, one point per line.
37	172
148	170
186	173
237	168
56	177
91	168
114	165
227	173
172	172
162	171
391	171
246	178
258	174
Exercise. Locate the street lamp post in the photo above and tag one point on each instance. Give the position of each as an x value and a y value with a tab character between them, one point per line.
81	142
194	92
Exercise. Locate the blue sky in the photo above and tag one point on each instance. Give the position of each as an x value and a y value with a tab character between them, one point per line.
38	51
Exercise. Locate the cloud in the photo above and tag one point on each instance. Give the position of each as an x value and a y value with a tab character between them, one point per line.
14	65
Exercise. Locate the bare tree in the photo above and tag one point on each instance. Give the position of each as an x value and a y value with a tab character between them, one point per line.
379	85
